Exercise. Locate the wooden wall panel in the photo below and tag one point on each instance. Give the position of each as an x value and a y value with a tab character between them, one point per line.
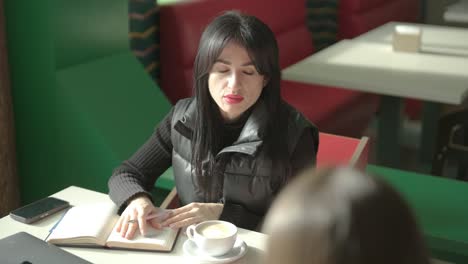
9	188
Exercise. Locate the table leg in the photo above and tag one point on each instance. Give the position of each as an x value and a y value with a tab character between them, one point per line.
431	112
388	131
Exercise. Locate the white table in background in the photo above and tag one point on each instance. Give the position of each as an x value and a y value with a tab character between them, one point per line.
441	40
436	40
77	196
367	63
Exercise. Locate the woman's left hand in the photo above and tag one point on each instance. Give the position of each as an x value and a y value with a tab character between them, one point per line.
193	213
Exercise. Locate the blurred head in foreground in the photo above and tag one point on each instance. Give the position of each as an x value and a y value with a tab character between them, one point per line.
340	215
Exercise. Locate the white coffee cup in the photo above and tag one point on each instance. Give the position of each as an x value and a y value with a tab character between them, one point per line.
214	237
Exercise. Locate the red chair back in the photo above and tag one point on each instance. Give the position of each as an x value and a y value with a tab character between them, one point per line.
341	150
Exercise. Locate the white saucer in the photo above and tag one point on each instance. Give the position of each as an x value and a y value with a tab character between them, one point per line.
191	250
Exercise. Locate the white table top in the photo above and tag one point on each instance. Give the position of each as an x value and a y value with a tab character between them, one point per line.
434	39
76	196
374	67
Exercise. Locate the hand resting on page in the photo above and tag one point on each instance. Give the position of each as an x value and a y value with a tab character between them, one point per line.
139	214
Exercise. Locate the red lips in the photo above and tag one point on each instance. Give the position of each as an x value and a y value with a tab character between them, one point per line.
233	98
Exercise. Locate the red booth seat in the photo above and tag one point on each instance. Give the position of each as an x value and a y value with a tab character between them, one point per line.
359	16
334	110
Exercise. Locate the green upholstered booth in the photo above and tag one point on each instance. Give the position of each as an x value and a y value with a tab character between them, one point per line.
82	102
441	206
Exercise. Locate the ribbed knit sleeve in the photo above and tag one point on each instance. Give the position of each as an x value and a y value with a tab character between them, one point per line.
137	175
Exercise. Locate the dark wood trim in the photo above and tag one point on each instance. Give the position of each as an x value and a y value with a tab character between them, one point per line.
9	183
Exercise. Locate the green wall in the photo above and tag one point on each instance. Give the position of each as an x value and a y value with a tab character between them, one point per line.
82	102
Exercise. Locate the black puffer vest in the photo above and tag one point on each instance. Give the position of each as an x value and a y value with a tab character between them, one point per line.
241	185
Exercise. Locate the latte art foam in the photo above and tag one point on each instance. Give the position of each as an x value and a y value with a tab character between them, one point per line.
215	231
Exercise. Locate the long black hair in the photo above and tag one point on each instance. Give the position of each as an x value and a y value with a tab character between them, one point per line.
260	43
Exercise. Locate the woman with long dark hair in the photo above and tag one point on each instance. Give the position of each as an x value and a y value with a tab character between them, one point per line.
232	147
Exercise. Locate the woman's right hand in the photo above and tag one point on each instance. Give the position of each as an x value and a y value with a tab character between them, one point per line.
135	216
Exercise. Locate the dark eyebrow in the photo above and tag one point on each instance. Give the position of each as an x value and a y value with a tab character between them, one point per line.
250	63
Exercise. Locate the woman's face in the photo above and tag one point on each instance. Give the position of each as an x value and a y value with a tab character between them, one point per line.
234	83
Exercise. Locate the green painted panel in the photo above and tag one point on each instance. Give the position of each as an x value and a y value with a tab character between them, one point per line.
75	124
114	109
166	180
89	29
441	206
116	98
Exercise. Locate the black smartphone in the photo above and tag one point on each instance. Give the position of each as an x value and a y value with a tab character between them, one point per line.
39	209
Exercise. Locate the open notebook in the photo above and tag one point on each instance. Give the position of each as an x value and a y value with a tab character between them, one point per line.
94	225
